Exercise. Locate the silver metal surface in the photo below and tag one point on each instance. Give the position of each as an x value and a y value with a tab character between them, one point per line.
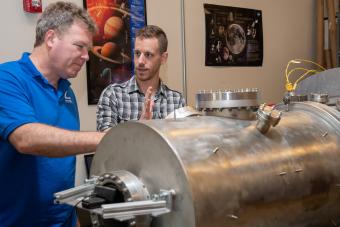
183	48
127	211
318	97
183	112
248	97
226	173
74	195
298	97
236	113
294	97
267	117
128	184
131	189
134	204
327	82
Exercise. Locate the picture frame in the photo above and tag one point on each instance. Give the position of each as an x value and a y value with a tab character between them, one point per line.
234	36
111	57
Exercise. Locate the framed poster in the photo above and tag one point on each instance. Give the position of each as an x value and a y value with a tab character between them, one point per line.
111	58
233	36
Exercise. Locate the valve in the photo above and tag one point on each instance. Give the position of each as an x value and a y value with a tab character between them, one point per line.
267	117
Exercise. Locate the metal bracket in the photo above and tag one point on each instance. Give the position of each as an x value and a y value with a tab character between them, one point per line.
160	204
73	196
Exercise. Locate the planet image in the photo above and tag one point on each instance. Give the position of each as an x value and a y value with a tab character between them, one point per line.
107	14
235	38
111	52
113	27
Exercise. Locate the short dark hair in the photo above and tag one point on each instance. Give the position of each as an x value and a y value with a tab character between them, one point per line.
153	31
60	16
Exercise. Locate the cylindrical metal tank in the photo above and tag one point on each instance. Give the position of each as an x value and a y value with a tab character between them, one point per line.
226	173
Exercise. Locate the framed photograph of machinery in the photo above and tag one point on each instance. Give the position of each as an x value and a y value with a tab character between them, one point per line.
111	58
233	36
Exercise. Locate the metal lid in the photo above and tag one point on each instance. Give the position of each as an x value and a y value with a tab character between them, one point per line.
319	97
248	97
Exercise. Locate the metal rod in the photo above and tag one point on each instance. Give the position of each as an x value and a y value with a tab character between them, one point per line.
74	191
184	68
133	206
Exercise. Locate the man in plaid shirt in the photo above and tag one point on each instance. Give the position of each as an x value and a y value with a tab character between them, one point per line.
144	96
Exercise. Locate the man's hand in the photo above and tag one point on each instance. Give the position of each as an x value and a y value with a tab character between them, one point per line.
148	104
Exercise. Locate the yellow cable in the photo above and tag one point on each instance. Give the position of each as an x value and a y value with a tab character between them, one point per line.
312	62
289	85
309	72
295	69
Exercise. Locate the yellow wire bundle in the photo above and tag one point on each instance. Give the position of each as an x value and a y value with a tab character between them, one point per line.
290	87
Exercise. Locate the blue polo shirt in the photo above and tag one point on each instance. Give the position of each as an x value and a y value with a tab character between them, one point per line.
28	181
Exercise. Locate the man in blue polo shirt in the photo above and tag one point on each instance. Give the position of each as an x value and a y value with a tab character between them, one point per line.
39	122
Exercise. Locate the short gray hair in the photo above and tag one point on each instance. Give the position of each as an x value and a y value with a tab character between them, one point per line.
60	16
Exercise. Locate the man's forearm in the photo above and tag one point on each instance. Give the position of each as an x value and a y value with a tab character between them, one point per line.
40	139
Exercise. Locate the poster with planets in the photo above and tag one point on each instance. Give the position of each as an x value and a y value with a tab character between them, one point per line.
111	58
233	36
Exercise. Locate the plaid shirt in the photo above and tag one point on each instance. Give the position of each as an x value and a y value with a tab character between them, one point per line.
123	102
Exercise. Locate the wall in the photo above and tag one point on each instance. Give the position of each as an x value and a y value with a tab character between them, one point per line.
288	32
288	27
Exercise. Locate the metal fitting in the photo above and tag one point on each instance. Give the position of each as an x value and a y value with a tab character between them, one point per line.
267	117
